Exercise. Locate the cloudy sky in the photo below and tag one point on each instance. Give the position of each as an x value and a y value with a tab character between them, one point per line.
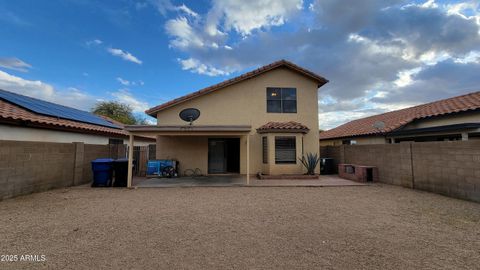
379	55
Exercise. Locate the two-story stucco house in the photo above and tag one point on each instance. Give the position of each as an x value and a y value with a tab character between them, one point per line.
261	121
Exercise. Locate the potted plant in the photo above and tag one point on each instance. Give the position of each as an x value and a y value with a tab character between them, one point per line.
310	162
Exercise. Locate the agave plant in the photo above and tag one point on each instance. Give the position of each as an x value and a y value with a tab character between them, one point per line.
310	162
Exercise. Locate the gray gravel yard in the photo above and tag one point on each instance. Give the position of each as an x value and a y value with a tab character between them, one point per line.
369	227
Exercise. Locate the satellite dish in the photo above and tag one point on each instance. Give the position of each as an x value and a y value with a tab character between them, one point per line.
379	125
189	115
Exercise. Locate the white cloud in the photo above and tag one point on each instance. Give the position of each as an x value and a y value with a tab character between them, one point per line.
70	97
123	81
209	33
196	66
461	9
124	55
164	6
25	87
14	64
429	4
130	83
334	112
126	97
93	42
405	78
184	36
186	10
471	57
249	15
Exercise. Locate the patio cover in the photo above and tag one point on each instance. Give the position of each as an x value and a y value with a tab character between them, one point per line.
186	130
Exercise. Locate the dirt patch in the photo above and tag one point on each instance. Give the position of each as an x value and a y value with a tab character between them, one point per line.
377	227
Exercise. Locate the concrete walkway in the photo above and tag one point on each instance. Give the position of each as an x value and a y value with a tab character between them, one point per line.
237	180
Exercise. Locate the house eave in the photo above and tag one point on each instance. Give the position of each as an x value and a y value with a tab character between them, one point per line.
188	128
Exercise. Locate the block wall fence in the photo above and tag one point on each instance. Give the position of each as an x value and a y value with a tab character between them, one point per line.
27	167
449	168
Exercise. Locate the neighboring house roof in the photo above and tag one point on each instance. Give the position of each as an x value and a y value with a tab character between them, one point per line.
282	63
13	113
290	126
54	110
397	119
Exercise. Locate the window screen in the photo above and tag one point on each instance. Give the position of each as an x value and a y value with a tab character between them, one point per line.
285	150
281	100
265	150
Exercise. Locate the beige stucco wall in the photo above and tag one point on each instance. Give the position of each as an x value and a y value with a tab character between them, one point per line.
46	135
332	142
185	149
244	104
459	118
15	133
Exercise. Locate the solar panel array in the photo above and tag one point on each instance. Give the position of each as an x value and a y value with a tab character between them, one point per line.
55	110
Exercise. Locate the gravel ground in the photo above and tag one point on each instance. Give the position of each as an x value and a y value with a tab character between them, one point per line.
374	227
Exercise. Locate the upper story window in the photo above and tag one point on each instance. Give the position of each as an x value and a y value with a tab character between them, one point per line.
281	100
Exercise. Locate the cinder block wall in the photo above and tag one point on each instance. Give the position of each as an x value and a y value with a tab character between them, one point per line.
393	161
334	152
27	167
448	168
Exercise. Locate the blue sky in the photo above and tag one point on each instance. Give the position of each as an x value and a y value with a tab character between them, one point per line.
379	56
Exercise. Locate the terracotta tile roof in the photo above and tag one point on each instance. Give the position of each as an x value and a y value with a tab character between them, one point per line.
282	63
10	112
396	119
290	126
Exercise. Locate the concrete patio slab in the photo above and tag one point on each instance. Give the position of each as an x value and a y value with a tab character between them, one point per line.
202	181
238	180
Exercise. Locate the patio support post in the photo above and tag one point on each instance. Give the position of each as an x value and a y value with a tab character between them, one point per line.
248	159
130	161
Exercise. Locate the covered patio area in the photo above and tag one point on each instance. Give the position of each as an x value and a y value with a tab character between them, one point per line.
214	149
241	180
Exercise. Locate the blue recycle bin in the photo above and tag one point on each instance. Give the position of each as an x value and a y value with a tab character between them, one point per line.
102	172
155	167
